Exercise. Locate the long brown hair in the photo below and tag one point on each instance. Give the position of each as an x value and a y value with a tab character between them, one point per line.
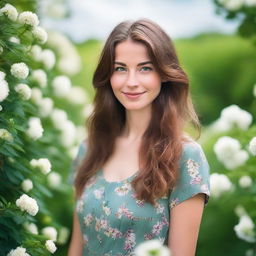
161	144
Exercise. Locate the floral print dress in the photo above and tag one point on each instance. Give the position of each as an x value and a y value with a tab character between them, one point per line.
113	221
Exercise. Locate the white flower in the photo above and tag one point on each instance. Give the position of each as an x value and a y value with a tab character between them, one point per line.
28	18
234	115
5	135
40	77
228	152
28	204
249	252
152	247
88	109
56	10
36	52
45	106
61	85
50	246
48	58
63	235
77	95
69	64
250	3
72	151
43	164
240	211
219	183
35	129
252	146
81	133
245	229
27	185
245	181
233	5
36	95
59	118
14	39
68	134
50	233
24	91
19	70
220	125
254	90
69	60
19	251
31	227
10	11
2	76
54	179
4	90
40	34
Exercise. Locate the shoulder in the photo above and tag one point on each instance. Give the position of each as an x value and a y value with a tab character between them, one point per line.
192	152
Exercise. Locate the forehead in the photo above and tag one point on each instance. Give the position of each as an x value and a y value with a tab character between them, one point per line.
128	51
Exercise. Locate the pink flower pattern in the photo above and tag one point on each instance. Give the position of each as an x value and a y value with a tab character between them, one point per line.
111	211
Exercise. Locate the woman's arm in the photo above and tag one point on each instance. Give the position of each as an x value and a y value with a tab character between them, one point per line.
76	244
185	219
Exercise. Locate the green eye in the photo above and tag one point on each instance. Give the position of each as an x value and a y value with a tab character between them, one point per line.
119	69
146	68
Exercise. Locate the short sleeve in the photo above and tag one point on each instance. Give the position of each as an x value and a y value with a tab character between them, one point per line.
193	177
76	162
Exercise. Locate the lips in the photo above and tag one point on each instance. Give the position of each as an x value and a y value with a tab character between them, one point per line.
133	93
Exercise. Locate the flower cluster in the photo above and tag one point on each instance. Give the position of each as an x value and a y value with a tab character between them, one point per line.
10	11
219	184
245	229
152	247
235	5
228	151
43	164
35	129
5	135
27	185
50	246
20	70
24	91
233	116
28	204
4	88
50	233
19	251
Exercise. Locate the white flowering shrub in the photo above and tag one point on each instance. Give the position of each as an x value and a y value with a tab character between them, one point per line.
233	139
35	147
231	142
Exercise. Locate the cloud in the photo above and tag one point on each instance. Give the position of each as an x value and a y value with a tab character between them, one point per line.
179	18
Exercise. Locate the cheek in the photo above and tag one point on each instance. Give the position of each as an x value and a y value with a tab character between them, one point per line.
116	81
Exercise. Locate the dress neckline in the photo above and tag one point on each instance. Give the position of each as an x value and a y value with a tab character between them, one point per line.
101	174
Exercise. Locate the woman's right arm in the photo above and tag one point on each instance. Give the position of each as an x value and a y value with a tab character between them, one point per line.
76	244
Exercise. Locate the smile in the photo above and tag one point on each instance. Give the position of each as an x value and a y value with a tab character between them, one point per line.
133	95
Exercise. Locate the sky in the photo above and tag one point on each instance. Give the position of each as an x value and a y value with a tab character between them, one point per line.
179	18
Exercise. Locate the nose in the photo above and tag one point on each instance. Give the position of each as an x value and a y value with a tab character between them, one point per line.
132	79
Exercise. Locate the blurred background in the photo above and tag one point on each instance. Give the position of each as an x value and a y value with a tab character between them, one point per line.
215	42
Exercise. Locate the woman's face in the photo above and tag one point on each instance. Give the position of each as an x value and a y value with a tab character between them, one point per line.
135	81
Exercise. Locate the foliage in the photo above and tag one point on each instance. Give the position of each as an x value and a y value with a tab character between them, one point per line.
37	139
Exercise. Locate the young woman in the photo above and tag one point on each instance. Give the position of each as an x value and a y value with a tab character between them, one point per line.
138	176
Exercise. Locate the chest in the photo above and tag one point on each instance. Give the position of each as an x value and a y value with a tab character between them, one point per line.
123	162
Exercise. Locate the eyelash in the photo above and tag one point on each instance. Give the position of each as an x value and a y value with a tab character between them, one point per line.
148	68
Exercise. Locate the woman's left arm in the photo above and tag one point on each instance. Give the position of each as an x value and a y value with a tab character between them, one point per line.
185	220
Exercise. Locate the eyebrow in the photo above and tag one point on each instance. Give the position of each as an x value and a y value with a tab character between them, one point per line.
140	64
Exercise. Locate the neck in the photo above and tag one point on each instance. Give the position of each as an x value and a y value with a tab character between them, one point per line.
136	123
